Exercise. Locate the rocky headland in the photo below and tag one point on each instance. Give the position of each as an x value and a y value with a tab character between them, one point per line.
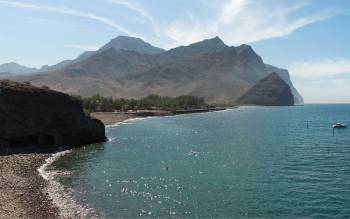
269	91
37	119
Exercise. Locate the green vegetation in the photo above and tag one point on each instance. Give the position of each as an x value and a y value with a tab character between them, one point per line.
98	103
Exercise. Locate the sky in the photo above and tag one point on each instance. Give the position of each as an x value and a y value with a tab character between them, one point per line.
310	38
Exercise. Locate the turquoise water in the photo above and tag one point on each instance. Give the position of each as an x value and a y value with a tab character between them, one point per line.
250	162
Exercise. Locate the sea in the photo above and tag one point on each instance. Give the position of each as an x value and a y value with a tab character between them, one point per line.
245	162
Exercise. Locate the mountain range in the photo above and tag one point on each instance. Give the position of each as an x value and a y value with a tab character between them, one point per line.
14	68
128	67
121	42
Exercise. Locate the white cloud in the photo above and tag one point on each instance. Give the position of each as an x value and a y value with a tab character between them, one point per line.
83	47
149	18
322	81
70	12
133	6
326	91
244	21
231	9
320	69
235	21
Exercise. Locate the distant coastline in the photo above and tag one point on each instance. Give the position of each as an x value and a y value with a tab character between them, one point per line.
110	118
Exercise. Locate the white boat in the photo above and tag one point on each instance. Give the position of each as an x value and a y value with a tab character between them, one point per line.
339	126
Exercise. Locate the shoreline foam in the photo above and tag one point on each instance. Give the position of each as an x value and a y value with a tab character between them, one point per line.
62	197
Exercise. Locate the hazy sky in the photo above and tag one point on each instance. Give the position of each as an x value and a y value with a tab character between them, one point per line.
311	38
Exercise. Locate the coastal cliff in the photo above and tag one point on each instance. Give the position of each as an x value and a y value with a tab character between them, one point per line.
269	91
40	119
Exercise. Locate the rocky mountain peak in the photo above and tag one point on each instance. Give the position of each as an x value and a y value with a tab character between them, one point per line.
213	43
206	46
246	51
133	44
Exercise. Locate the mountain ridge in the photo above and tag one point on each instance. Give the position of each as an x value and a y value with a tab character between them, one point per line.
118	43
209	69
15	68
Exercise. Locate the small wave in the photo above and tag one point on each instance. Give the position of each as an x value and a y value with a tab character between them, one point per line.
113	125
111	139
226	110
138	119
60	195
43	169
128	121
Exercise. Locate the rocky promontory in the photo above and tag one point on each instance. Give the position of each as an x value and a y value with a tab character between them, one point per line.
39	119
269	91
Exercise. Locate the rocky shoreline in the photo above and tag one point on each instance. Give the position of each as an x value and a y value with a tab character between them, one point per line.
22	189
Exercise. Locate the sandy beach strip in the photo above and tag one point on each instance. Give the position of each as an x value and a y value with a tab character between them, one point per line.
110	118
21	188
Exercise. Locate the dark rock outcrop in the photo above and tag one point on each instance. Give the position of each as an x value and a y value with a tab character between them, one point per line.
284	74
43	120
269	91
